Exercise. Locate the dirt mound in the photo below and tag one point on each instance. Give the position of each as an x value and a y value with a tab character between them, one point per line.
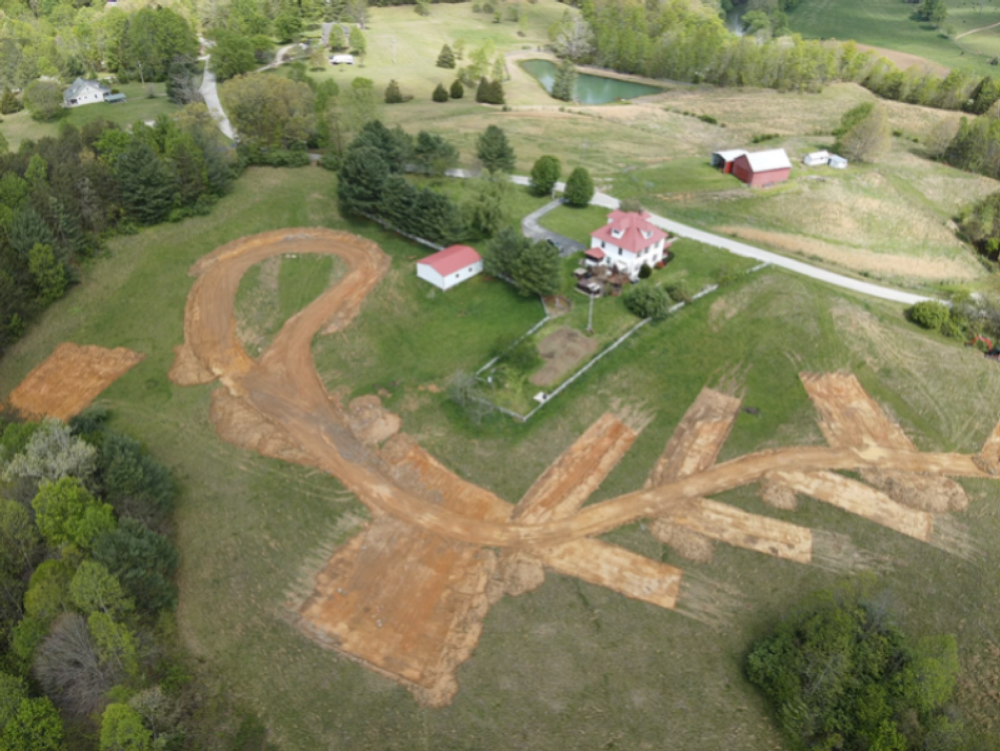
370	422
70	379
686	543
187	369
924	492
238	423
562	350
520	572
776	495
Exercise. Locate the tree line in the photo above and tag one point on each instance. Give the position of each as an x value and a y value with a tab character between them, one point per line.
61	198
88	649
689	42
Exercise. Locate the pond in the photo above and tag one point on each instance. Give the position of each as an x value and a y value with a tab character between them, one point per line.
589	89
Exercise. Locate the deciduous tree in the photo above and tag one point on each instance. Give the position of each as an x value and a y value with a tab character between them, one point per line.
44	99
870	138
122	729
489	206
545	174
536	269
579	188
66	513
36	726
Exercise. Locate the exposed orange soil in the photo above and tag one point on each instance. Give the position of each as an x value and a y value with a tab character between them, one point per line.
70	379
694	447
407	595
848	416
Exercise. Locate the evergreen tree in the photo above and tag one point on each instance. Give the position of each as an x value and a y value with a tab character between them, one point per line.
440	93
536	269
189	166
565	82
433	154
447	58
494	151
9	103
544	175
392	93
437	218
483	92
394	146
398	202
28	229
457	90
361	181
147	184
495	93
579	188
489	206
501	252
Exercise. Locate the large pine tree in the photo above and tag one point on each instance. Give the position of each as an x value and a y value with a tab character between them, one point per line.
147	185
447	58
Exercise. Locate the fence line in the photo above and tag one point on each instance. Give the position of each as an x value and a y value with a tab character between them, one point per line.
517	341
607	350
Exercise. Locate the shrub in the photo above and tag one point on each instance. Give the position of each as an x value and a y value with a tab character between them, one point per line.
446	59
930	314
440	93
647	301
646	271
708	119
524	357
457	90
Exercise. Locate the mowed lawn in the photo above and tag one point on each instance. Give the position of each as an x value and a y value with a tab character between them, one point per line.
888	23
570	665
139	107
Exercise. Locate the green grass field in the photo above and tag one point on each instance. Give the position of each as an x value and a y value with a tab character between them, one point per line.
139	106
569	665
888	23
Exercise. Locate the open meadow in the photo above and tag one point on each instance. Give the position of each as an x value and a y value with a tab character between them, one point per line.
570	665
889	24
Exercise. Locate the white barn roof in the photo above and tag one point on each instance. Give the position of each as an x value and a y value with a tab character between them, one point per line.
730	155
765	161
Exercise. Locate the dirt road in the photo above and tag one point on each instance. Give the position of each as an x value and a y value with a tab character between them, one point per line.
408	594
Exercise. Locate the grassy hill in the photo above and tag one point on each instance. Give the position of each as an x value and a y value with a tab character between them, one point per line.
888	23
569	665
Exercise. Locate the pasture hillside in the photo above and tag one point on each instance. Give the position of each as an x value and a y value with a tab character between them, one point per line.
570	665
889	24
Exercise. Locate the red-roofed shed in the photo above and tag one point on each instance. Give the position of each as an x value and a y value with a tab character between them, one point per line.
448	267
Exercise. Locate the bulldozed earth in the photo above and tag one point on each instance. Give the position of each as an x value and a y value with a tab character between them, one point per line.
406	596
70	379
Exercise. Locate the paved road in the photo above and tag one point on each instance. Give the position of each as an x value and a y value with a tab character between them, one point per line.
531	228
211	96
749	251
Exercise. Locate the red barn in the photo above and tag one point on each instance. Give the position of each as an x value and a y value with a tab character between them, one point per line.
724	159
762	168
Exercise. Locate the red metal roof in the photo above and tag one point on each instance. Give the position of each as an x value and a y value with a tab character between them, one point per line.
634	226
452	259
595	253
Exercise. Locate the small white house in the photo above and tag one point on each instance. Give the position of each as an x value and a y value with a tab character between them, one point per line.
342	59
816	158
627	243
450	266
837	162
84	91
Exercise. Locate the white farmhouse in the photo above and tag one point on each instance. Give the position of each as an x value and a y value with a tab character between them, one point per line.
450	266
628	242
84	91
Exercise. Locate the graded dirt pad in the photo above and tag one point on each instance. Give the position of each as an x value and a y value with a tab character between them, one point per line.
407	595
924	492
561	351
403	601
70	379
848	416
698	439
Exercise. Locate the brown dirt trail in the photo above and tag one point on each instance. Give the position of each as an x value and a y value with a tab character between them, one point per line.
407	595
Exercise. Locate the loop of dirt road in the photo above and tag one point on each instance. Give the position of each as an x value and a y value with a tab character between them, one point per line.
285	388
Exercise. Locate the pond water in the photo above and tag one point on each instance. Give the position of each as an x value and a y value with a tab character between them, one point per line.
589	89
